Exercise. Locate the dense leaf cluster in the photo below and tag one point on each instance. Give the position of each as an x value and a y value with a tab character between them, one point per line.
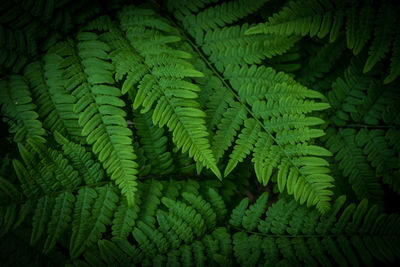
199	133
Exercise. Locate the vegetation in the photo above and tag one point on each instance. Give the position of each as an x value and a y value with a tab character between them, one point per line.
199	133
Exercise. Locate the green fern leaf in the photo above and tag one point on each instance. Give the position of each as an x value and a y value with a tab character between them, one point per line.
40	218
81	218
17	105
383	36
60	217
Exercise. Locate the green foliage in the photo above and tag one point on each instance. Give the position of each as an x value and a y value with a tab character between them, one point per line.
192	133
329	17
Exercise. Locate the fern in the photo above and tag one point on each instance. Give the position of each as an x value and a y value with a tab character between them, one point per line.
17	104
194	133
320	18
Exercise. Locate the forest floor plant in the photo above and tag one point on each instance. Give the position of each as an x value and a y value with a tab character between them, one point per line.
199	133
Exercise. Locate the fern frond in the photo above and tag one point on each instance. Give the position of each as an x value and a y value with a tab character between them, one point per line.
17	105
238	213
383	33
380	156
244	144
354	164
295	234
221	15
9	215
283	104
187	213
154	144
219	100
59	219
227	128
56	105
394	61
323	17
181	10
101	215
41	216
65	175
35	177
101	117
361	98
81	218
151	192
82	161
312	17
175	107
203	208
124	219
229	45
217	203
254	212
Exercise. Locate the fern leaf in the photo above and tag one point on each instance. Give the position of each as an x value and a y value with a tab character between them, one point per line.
18	107
178	225
354	164
221	15
365	23
228	126
150	195
311	17
175	105
154	144
29	188
40	218
382	37
65	175
244	144
342	232
101	117
229	45
238	213
82	161
252	215
60	217
394	61
111	253
124	219
203	208
217	204
261	156
102	212
8	190
81	218
187	213
183	9
8	215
